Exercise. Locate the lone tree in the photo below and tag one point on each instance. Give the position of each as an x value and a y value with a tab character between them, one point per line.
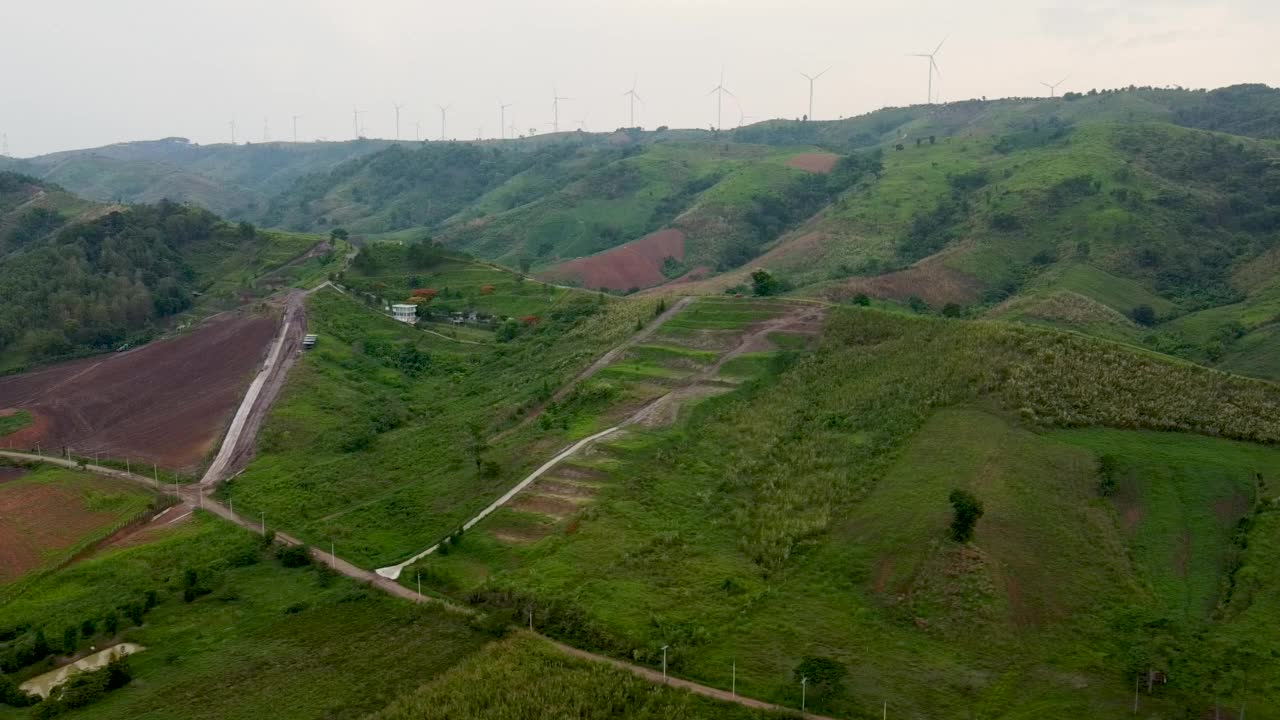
763	283
967	508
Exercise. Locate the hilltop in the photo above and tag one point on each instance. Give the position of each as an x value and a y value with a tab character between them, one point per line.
225	179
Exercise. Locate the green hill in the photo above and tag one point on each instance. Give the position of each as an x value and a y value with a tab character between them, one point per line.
226	179
88	286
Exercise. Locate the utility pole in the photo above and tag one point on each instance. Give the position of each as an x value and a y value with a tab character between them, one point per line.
734	686
419	577
804	684
264	524
1136	678
664	663
333	556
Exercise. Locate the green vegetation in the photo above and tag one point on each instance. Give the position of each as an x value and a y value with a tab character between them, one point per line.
225	179
54	514
368	444
14	421
524	678
807	514
121	276
255	635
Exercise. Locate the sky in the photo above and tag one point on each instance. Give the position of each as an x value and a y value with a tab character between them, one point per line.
82	73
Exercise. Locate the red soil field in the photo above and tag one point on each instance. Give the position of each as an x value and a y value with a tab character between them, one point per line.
814	162
932	282
38	518
167	402
636	264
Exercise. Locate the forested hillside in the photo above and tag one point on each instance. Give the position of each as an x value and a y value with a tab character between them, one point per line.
94	285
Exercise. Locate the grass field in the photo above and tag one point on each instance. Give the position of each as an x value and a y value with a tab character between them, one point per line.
305	643
523	678
368	446
49	514
794	519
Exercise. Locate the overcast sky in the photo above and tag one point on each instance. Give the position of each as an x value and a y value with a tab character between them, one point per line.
80	73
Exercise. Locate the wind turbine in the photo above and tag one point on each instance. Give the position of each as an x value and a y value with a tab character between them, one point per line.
582	124
295	127
417	130
812	78
1053	87
933	65
720	91
555	109
502	118
634	97
355	121
398	106
444	109
266	130
232	125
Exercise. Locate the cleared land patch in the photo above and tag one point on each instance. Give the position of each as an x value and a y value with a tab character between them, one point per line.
166	402
636	264
49	514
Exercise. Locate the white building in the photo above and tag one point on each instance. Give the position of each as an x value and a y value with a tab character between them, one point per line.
405	313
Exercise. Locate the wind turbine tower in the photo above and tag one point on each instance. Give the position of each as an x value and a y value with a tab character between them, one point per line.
355	122
398	106
812	78
555	109
295	128
634	97
720	91
933	65
1053	87
502	118
266	131
232	125
444	111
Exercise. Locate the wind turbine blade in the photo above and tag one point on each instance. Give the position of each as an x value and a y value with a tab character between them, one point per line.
824	72
944	42
1064	79
935	67
726	92
714	90
637	96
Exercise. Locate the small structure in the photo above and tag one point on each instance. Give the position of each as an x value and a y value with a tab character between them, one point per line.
405	313
308	342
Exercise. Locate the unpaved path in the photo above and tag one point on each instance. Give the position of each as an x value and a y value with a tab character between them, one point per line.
194	496
238	444
393	571
626	345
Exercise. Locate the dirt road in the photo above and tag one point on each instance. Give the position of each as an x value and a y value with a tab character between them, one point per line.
238	444
194	496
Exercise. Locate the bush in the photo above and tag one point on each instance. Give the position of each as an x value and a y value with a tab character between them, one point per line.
862	300
293	556
967	509
824	676
1144	315
1108	469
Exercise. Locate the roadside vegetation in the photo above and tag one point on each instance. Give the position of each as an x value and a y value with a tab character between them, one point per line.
230	627
522	677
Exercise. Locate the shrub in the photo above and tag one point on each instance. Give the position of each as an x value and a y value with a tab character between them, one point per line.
1144	315
862	300
824	676
763	283
1108	469
293	556
952	310
967	509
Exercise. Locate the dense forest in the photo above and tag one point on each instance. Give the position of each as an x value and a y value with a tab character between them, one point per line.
95	285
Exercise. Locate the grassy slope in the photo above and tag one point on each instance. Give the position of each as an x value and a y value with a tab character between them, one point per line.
791	520
523	678
410	478
265	637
